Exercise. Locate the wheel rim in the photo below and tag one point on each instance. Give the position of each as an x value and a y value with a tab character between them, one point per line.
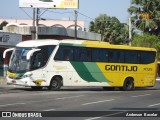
54	84
129	85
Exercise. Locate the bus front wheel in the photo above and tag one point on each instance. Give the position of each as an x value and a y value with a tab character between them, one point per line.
128	85
55	84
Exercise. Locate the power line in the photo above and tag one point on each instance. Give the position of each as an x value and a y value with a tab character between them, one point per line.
100	20
26	13
59	12
85	16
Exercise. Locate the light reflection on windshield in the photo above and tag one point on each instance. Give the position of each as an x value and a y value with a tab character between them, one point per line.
18	62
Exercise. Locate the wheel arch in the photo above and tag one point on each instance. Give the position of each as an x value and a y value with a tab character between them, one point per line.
129	80
129	77
57	76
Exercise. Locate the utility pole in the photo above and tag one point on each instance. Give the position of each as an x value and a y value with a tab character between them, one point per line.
76	15
33	27
130	31
37	21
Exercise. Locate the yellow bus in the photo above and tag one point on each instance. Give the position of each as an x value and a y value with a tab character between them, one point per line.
52	64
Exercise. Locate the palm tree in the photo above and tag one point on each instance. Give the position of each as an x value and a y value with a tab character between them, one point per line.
146	15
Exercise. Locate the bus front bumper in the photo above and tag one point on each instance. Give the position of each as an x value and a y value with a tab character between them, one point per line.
20	82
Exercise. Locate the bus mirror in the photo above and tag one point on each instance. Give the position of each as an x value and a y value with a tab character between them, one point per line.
30	53
7	50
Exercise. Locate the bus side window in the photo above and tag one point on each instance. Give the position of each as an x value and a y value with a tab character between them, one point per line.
147	57
59	54
95	55
89	57
110	58
64	53
38	61
83	54
67	54
99	55
131	57
119	56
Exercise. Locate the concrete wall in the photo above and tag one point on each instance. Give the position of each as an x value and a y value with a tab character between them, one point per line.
60	31
9	39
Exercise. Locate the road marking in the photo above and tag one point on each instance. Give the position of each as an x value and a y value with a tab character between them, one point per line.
141	95
50	110
69	97
154	105
97	102
94	118
12	104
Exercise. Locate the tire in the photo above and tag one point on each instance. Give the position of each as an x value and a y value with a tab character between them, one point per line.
109	88
128	85
36	88
55	84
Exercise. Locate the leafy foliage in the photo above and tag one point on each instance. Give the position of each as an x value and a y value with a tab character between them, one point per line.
146	40
110	28
146	15
4	23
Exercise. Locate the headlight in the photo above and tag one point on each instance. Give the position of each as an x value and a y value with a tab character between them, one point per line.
27	75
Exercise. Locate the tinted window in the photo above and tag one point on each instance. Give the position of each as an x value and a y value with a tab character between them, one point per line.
116	56
82	54
41	57
99	55
104	55
131	57
64	53
147	57
46	51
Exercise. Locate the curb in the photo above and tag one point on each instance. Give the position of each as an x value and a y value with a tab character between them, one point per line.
3	81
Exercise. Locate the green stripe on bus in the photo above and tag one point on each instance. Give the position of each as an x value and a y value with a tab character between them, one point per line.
89	71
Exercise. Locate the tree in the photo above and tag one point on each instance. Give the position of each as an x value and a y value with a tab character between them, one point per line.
146	40
110	28
146	15
4	23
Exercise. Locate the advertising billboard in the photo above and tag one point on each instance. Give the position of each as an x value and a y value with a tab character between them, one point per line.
62	4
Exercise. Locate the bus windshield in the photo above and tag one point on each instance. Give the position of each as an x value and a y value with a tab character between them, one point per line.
18	61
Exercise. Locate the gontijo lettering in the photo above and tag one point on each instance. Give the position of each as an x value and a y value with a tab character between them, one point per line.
120	68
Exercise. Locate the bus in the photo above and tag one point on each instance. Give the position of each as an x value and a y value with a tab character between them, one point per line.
53	64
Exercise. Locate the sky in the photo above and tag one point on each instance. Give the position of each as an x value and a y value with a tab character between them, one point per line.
89	8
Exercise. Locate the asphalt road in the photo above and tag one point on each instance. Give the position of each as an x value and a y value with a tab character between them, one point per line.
100	104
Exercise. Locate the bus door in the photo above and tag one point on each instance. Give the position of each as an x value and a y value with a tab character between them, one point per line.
37	65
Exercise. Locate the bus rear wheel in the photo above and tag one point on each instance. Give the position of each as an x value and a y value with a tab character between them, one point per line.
128	85
55	84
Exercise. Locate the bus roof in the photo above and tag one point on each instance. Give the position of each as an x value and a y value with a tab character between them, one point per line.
74	42
36	43
99	44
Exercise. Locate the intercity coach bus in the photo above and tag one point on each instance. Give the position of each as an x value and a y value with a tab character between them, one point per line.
53	63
